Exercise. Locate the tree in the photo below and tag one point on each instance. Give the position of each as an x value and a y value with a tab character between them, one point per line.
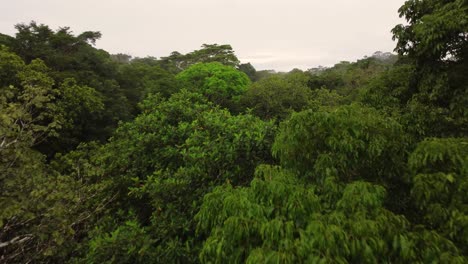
128	243
221	84
10	65
73	56
40	210
223	54
174	63
276	97
439	187
6	40
163	162
436	30
346	78
338	141
334	197
368	164
121	58
435	40
178	62
39	41
280	219
77	105
29	113
390	90
248	69
138	80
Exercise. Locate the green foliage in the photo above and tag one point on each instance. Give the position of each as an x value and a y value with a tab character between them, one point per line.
214	53
139	79
39	41
439	169
178	62
128	243
425	109
6	40
76	106
41	210
326	99
390	91
373	155
257	220
351	142
276	97
10	65
346	78
264	74
436	30
28	112
27	117
177	150
78	102
121	58
249	70
221	84
435	41
71	56
280	219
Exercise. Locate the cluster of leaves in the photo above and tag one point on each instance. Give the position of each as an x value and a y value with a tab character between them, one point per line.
345	77
55	89
112	89
281	219
350	142
439	186
359	184
435	42
222	85
177	150
276	97
328	202
436	30
208	53
42	211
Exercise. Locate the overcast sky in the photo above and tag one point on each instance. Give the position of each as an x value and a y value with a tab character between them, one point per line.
271	34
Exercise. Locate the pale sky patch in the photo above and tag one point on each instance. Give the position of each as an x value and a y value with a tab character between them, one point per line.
288	34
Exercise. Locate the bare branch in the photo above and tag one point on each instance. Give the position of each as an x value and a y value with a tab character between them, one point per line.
16	240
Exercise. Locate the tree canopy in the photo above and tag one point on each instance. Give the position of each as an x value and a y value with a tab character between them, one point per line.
222	85
200	158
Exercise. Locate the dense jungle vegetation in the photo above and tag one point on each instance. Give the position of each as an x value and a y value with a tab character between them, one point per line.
199	158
